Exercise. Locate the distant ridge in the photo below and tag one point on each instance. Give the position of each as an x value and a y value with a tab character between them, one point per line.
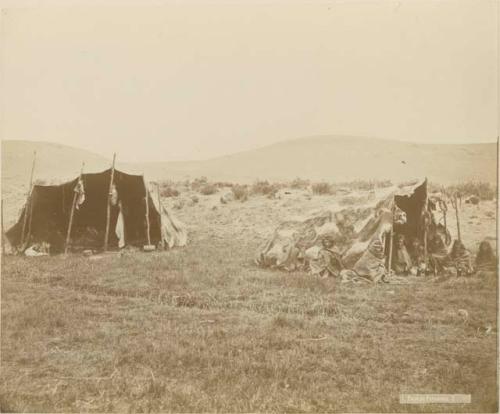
330	158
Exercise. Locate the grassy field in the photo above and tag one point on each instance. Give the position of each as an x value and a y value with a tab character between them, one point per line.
203	329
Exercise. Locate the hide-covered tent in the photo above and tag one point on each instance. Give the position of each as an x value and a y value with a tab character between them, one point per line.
46	216
361	231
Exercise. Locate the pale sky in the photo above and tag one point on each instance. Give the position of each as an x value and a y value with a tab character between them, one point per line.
197	80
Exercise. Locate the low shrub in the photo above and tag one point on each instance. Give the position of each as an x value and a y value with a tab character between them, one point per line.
265	188
322	188
483	190
240	192
223	184
208	189
300	184
199	183
368	185
167	190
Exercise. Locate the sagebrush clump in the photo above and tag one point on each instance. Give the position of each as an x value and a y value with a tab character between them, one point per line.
208	189
240	192
322	189
300	184
265	188
485	191
167	190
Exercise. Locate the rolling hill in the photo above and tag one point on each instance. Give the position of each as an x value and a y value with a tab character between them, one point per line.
329	158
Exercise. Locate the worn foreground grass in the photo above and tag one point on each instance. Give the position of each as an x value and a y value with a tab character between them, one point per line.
202	329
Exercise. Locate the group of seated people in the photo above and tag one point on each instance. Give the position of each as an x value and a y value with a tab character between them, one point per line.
413	260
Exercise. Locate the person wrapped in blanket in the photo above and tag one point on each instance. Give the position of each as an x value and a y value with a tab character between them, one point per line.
370	266
401	261
328	262
460	259
485	259
417	255
438	255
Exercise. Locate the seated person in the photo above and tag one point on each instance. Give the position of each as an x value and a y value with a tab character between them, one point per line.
401	261
460	259
328	262
438	255
417	255
485	258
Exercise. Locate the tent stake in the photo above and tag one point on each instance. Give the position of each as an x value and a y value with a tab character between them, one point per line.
28	200
161	209
72	212
108	211
146	192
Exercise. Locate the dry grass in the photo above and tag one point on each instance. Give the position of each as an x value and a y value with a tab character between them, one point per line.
202	329
194	330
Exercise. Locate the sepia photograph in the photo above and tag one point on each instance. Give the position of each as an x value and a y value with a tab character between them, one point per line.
249	206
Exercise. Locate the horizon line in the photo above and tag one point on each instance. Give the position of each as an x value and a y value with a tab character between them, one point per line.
493	141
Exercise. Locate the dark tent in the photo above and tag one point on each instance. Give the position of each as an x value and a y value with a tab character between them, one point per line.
49	210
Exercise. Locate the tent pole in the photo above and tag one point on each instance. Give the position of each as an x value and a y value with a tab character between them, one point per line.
160	208
108	211
458	221
454	203
425	246
146	192
3	234
391	239
28	199
426	208
30	219
72	212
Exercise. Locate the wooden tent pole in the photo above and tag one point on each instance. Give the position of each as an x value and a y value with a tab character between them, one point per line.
454	203
30	220
28	199
3	234
426	208
444	219
458	221
72	212
146	192
391	239
160	208
108	210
